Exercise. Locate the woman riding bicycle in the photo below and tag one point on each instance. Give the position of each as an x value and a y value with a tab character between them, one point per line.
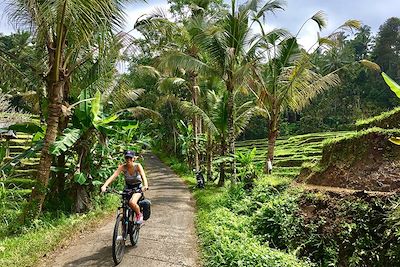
134	176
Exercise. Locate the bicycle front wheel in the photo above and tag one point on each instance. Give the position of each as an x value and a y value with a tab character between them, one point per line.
118	245
134	234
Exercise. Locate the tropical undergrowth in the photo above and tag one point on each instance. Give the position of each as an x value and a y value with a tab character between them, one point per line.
50	232
276	224
225	231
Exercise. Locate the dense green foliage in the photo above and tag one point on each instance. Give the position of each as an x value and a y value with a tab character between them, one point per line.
199	79
225	231
50	232
248	228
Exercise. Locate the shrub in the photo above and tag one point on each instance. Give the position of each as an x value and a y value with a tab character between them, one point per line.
227	242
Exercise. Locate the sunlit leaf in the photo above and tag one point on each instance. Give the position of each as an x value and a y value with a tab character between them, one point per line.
395	140
96	106
392	84
80	178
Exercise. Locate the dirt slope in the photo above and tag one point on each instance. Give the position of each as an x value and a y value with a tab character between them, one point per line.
167	239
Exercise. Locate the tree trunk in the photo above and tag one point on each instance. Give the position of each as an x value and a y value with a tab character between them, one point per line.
60	183
81	192
195	120
221	180
82	199
231	129
272	136
209	156
39	191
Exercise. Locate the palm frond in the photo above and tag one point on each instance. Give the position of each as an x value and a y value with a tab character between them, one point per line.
167	84
141	112
178	60
320	19
310	85
271	6
351	24
240	122
192	110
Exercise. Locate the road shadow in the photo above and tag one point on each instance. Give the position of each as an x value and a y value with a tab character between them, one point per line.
100	258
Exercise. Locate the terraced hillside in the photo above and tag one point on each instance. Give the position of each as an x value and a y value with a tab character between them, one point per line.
290	152
17	181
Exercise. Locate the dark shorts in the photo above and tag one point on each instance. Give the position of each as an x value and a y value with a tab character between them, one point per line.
133	189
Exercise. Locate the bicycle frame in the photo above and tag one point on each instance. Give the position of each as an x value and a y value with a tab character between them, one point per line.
125	210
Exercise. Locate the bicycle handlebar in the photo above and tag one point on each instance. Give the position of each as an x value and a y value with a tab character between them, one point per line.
112	190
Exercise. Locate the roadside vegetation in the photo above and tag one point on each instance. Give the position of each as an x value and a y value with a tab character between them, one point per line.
213	87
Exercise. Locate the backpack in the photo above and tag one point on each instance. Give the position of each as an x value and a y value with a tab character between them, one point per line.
145	208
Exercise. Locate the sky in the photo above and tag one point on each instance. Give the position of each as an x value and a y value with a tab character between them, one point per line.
369	12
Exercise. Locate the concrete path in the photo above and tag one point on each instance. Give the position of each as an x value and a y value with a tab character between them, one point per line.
168	238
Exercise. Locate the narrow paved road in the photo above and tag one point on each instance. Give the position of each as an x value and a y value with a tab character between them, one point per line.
167	239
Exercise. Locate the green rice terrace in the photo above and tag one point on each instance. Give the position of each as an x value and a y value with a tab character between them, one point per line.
291	152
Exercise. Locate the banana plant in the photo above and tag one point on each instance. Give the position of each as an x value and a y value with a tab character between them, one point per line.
89	126
248	170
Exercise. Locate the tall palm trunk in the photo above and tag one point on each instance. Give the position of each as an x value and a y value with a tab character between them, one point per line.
195	120
39	191
221	180
272	136
231	130
61	160
209	156
55	83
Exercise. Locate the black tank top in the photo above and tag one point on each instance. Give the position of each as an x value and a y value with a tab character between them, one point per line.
133	179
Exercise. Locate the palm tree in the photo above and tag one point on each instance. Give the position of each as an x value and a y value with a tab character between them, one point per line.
70	32
288	80
215	117
176	40
230	53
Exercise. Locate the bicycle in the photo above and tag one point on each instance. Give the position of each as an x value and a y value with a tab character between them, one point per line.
124	225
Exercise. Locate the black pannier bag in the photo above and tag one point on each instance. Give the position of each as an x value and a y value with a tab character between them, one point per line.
145	208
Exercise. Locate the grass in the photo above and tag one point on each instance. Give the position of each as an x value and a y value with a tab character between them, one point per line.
224	230
389	119
291	152
48	234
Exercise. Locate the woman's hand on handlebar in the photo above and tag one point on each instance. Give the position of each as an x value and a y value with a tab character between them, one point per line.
103	189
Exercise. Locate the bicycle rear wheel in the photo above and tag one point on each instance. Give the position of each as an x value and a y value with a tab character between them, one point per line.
134	234
118	244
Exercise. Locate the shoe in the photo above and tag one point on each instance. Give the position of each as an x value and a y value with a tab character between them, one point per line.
139	218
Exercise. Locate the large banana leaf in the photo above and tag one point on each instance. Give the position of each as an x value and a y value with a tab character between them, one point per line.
64	142
392	84
105	121
396	89
96	106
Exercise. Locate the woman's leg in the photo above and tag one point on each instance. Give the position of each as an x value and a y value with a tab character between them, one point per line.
133	202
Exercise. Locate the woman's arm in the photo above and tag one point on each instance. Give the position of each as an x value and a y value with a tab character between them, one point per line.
141	171
112	178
